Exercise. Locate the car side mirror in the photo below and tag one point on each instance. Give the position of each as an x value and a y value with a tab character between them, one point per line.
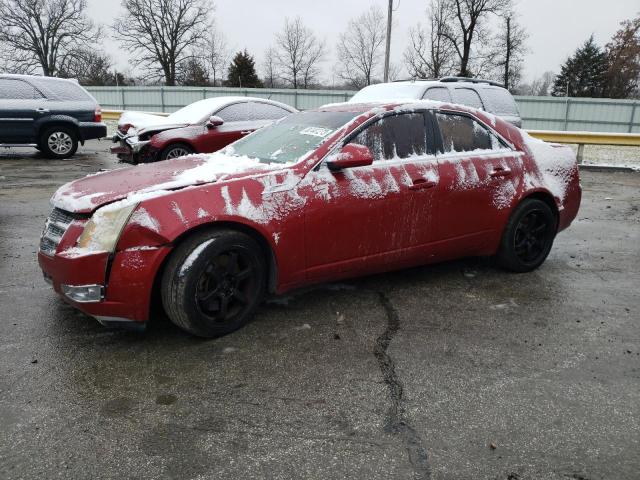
350	156
214	121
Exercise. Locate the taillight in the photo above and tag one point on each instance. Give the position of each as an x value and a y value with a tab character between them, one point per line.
97	115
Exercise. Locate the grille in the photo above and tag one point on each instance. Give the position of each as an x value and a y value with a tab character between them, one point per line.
54	228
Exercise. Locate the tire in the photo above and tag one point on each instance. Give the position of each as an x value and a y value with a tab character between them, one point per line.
58	142
213	282
176	150
528	236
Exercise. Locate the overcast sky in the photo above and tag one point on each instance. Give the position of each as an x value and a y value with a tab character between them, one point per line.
556	27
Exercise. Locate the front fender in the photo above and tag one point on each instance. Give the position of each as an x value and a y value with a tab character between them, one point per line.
274	217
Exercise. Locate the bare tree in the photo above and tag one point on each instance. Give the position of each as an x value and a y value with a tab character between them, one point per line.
298	53
89	67
360	48
163	33
40	33
540	87
217	56
430	54
467	30
510	45
270	68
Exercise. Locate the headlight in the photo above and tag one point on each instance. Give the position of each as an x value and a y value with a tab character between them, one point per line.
102	231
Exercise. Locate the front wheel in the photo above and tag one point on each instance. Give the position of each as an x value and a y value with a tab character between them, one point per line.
176	150
528	236
213	282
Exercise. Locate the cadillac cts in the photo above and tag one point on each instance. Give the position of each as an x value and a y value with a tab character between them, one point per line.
342	191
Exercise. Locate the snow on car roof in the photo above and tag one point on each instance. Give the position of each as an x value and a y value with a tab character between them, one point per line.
199	110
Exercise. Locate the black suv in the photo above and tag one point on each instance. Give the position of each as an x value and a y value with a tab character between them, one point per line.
51	114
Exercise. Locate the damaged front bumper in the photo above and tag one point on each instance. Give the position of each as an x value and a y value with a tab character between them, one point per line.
115	288
132	150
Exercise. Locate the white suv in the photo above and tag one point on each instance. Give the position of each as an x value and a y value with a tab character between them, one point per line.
482	94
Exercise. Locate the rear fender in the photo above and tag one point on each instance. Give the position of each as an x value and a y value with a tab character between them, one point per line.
42	124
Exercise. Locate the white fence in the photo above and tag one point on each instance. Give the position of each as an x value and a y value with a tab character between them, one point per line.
539	113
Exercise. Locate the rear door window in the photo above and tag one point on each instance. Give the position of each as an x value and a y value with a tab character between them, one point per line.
461	133
63	90
11	89
238	112
440	94
398	136
266	111
466	96
501	102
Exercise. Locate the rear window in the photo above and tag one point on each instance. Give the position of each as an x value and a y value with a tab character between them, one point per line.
461	133
466	96
440	94
64	90
13	89
501	102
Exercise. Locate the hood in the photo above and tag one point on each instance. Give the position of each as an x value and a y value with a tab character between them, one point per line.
152	129
139	121
155	179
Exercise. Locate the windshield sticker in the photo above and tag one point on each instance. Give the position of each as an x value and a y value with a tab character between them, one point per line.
316	131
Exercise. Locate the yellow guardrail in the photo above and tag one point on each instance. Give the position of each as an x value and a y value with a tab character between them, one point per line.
588	138
115	114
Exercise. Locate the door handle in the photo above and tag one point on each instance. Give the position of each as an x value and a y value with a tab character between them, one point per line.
245	132
422	184
500	172
42	110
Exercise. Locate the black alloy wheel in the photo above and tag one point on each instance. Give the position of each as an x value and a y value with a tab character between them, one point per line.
213	282
528	236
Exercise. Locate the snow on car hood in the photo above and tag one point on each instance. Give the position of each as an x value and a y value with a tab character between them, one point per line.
154	179
140	120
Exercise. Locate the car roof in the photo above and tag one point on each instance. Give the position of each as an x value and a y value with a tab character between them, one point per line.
39	78
386	105
222	101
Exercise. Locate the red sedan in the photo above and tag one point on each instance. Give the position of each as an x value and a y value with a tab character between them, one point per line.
204	126
322	195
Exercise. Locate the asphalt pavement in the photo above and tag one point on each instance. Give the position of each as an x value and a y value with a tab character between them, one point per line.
454	371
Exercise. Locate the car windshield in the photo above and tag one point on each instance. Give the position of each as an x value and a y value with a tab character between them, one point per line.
388	91
291	138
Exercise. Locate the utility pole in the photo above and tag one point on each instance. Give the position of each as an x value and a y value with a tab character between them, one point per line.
388	51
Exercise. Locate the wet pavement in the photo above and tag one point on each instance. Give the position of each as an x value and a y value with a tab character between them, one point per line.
455	371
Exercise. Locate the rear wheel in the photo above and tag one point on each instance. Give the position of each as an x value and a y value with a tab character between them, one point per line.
528	236
213	282
176	150
58	142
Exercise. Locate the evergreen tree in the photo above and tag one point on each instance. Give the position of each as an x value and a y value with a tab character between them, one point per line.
193	74
242	72
584	74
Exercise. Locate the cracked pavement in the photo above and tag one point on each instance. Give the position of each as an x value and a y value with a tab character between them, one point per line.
414	374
